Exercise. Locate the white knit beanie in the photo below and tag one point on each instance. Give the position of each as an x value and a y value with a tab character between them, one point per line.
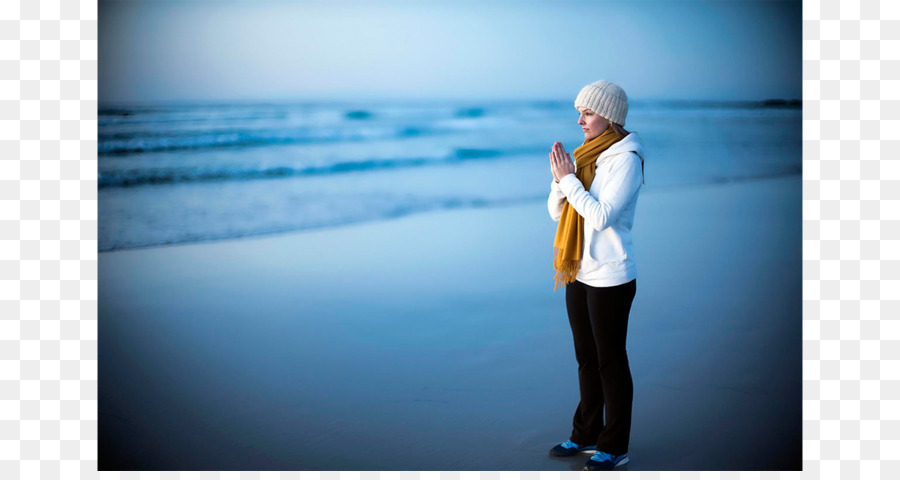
606	99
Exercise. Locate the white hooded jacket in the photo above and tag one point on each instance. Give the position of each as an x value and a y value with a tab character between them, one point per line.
608	211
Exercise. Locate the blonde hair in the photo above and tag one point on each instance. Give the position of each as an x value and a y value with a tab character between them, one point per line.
620	130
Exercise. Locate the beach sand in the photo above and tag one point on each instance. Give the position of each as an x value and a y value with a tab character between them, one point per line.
436	342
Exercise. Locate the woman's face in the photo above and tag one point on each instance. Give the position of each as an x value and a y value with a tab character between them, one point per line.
592	124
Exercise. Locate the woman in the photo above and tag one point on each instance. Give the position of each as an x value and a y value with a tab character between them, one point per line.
594	201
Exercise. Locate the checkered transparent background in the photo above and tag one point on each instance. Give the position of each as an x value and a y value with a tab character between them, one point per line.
48	233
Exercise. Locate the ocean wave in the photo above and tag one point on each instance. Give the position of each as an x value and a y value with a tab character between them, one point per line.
133	120
127	234
151	176
122	116
157	141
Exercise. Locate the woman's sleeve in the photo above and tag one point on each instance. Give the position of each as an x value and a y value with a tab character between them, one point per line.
621	185
555	201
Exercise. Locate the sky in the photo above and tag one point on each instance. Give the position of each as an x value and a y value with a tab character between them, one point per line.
191	50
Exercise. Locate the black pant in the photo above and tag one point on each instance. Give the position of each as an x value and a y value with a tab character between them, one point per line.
599	320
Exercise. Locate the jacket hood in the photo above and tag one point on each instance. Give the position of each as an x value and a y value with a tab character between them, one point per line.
630	143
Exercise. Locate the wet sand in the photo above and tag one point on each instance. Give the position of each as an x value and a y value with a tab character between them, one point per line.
436	342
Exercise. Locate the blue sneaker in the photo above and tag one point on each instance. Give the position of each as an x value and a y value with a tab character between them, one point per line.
569	448
605	461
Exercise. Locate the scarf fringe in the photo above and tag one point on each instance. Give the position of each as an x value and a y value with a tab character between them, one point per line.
566	273
566	270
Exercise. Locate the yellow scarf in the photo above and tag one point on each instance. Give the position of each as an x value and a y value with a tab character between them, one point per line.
568	243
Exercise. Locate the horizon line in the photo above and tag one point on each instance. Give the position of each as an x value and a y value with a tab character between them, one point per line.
534	99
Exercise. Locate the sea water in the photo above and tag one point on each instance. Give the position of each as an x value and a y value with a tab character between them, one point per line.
171	174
